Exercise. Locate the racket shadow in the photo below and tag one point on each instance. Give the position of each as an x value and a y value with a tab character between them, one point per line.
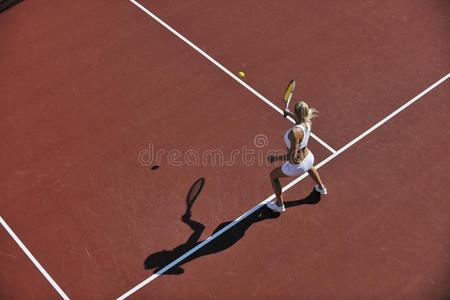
160	259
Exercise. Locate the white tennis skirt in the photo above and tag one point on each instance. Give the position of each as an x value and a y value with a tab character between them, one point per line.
298	169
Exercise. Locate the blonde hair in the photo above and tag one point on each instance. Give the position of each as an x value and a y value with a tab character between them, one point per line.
304	113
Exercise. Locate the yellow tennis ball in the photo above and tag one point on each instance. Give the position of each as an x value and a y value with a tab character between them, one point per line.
241	74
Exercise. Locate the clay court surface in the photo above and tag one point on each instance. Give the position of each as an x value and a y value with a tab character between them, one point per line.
91	89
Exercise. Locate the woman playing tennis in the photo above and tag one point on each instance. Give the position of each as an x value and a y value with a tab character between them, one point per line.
300	159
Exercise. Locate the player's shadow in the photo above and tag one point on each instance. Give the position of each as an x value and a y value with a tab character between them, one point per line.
312	198
5	4
159	260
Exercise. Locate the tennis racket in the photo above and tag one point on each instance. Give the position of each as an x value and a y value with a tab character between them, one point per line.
288	95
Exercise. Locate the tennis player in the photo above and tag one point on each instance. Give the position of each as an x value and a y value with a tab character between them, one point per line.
300	158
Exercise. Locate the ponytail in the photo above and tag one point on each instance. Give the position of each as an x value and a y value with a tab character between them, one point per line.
304	113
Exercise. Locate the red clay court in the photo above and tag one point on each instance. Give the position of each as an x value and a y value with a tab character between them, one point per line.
115	113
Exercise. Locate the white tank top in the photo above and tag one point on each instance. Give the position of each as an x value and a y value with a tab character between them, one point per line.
304	141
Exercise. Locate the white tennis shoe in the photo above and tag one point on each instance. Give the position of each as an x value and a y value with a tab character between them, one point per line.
321	191
273	206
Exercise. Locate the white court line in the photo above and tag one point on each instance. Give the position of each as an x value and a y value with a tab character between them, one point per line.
35	262
220	66
365	133
285	188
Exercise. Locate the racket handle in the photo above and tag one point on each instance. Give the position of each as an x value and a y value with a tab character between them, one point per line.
285	111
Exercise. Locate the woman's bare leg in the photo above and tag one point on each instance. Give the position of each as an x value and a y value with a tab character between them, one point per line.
315	176
275	176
